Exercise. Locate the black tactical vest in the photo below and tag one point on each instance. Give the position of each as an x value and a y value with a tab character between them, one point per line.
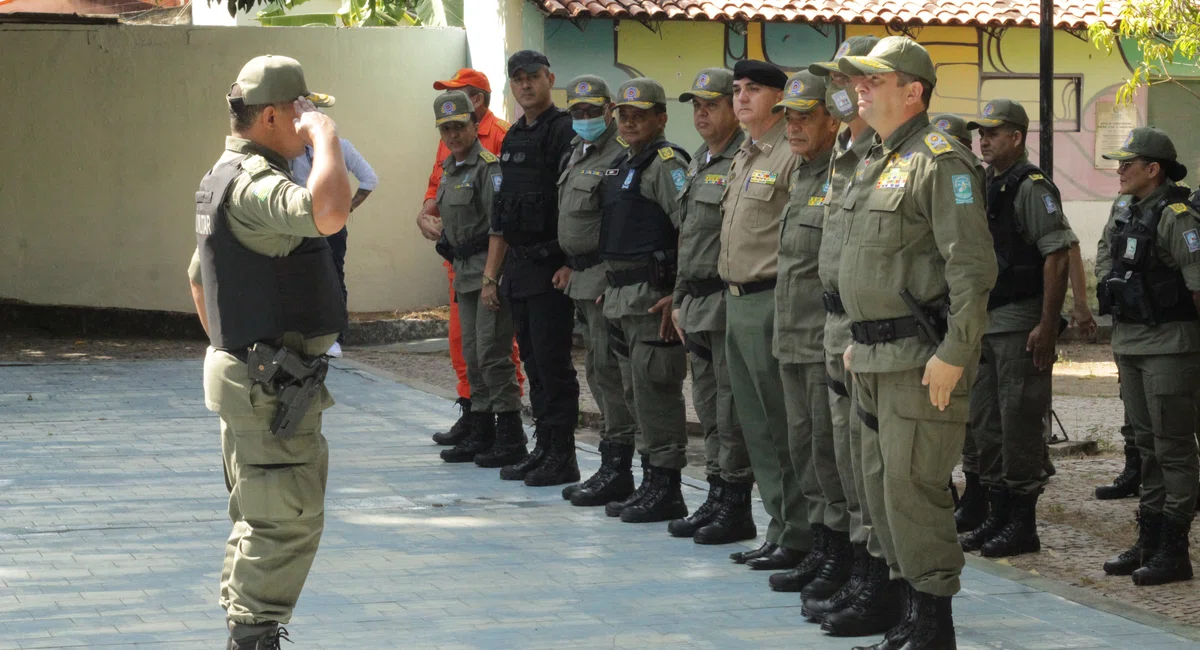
1020	262
633	227
1140	288
527	203
251	297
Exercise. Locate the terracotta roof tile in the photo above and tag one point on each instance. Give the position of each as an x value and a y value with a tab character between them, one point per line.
1073	14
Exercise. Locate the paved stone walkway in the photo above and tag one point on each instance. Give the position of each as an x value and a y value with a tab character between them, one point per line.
113	524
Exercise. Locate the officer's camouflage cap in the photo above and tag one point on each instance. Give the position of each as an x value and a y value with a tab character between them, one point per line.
803	92
1152	143
642	92
710	83
955	126
452	106
1001	111
853	46
892	54
273	79
588	89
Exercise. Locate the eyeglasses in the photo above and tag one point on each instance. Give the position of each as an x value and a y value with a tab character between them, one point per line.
1126	164
586	112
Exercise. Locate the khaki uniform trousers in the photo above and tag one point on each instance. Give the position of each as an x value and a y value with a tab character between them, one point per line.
603	374
487	347
810	440
652	373
712	396
847	449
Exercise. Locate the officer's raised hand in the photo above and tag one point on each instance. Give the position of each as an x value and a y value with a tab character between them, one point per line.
941	378
312	123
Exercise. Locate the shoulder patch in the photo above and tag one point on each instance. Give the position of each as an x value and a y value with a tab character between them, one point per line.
256	166
680	178
496	178
1178	208
937	143
962	189
666	153
1048	201
1192	239
488	157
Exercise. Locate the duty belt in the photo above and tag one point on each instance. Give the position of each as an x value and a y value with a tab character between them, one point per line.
472	247
701	288
747	288
584	261
870	332
626	277
539	251
833	303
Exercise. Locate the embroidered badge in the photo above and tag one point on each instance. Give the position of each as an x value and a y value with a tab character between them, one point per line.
1036	177
583	88
506	156
942	124
487	156
1130	248
841	99
763	177
666	153
447	108
1193	240
1051	208
1122	203
796	87
262	189
680	178
519	157
988	110
702	80
842	49
628	179
1178	208
816	200
496	182
714	179
893	180
465	185
962	189
937	143
1128	139
870	63
825	188
632	93
592	172
611	172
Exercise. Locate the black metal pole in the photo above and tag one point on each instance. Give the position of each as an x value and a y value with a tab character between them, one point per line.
1046	90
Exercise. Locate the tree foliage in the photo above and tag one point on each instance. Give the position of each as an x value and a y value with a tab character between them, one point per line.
1167	33
357	13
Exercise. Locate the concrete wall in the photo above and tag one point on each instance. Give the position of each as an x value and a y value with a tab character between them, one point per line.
108	130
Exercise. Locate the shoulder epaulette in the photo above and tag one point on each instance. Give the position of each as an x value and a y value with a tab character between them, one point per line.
1037	177
938	144
256	166
621	141
1178	208
666	153
488	157
503	124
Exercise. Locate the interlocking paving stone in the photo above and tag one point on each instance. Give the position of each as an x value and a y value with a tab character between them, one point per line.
113	525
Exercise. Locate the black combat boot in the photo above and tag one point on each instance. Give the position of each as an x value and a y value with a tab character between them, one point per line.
902	609
835	570
999	505
972	505
481	439
612	482
1020	534
541	446
734	521
662	502
742	557
1170	562
707	511
1129	482
614	508
461	429
933	627
795	579
560	465
1149	524
510	442
815	609
262	636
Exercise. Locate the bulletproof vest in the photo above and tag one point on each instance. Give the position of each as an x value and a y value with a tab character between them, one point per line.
527	203
634	227
1140	288
1020	262
251	297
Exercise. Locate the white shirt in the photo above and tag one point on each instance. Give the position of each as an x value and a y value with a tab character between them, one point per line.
355	164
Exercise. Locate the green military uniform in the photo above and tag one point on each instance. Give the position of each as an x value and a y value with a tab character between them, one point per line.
651	371
464	200
277	486
579	216
700	295
1011	395
755	195
847	428
916	222
1159	364
800	324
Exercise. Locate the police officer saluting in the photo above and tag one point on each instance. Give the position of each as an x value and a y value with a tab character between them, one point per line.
596	145
699	314
638	242
267	293
526	212
470	178
916	268
1032	239
1148	267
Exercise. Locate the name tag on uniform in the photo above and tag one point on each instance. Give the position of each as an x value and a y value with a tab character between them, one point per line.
464	186
714	179
763	177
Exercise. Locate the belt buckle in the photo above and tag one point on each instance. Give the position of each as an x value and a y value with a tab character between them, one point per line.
736	290
886	330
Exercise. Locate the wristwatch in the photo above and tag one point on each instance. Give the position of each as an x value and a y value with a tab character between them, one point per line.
487	280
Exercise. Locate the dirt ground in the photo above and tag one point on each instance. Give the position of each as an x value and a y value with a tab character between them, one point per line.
1078	532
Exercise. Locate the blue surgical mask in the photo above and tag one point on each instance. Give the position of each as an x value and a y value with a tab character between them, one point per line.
590	129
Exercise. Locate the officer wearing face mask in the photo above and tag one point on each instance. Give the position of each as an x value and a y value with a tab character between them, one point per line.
596	145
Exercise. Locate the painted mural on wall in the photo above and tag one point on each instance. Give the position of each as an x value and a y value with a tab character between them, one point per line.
974	65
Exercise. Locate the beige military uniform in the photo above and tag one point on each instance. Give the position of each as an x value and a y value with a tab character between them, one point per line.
916	221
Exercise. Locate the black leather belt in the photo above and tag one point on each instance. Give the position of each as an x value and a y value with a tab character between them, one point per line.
539	251
473	247
833	303
750	287
701	288
241	355
583	262
626	277
870	332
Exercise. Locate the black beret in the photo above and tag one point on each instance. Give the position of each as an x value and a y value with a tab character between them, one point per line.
760	72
